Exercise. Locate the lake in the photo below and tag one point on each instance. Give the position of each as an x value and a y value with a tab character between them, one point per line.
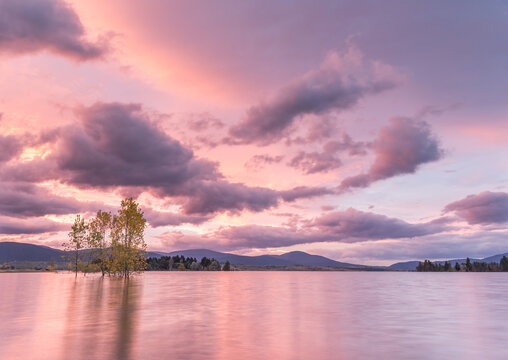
254	315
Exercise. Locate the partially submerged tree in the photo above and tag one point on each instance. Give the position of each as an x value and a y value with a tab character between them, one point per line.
77	241
128	246
99	227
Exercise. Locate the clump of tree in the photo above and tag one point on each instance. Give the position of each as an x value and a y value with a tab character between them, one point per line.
468	266
110	244
182	263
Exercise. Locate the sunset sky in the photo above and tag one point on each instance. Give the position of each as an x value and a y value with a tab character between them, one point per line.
365	131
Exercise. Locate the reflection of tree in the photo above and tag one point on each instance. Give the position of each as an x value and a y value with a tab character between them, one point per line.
129	291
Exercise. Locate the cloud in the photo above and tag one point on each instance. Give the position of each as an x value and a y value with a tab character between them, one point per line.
203	121
304	192
327	160
10	147
164	218
400	148
352	225
483	208
117	146
258	161
31	26
315	162
337	85
11	226
349	226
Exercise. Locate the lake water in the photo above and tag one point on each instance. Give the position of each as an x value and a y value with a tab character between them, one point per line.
255	315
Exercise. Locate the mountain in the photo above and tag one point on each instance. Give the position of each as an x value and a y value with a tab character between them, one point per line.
411	265
13	251
291	258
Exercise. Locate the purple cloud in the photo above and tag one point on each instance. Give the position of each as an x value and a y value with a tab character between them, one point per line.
31	26
10	147
347	226
483	208
328	88
400	148
118	146
327	160
11	226
353	225
258	161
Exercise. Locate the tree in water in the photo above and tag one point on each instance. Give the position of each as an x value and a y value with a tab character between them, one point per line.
128	246
98	241
77	241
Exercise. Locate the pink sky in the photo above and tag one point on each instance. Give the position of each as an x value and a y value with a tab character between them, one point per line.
361	131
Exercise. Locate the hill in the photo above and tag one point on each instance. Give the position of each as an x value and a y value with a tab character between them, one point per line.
291	258
13	251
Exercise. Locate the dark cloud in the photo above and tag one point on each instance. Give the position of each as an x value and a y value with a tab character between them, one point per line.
400	148
28	200
340	226
353	225
164	218
10	147
483	208
305	192
30	26
118	146
11	226
329	88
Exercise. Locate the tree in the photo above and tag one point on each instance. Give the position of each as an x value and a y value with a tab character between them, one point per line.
447	266
77	240
504	263
227	266
469	266
214	265
127	239
457	266
97	240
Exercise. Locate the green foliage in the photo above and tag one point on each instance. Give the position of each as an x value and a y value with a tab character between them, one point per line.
180	262
77	241
112	244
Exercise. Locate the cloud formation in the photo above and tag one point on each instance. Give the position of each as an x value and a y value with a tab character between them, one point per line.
348	226
117	146
400	148
30	26
11	226
327	160
10	147
335	86
483	208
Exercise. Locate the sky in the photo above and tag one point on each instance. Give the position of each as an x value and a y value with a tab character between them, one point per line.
365	131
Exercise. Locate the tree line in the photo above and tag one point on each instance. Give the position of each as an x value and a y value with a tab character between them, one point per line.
182	263
468	266
109	243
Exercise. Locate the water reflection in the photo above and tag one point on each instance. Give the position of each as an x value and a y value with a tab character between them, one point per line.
254	315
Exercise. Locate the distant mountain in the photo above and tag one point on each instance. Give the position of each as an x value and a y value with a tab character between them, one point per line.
411	265
13	251
291	258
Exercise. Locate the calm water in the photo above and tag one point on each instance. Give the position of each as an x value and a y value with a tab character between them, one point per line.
255	315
